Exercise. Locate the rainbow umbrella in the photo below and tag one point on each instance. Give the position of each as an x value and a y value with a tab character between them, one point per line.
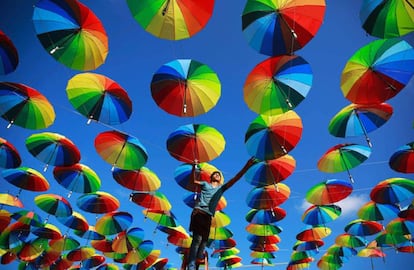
224	252
171	19
195	143
161	217
183	175
292	265
268	197
271	171
277	84
98	202
321	214
32	249
143	179
173	230
221	244
400	226
93	261
328	192
330	262
90	234
265	216
378	71
128	240
276	27
392	191
402	160
47	231
308	245
75	221
358	120
99	98
53	149
9	156
104	245
77	178
313	232
263	229
341	251
28	217
80	253
9	57
377	211
26	178
185	88
152	261
362	227
220	219
262	261
10	200
151	200
140	253
54	205
220	233
386	239
371	252
272	136
343	157
113	222
121	150
350	240
228	262
180	240
71	33
14	236
25	106
387	19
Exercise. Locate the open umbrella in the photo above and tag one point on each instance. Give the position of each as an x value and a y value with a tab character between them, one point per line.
81	253
53	149
75	221
71	33
400	226
271	171
392	191
277	84
171	19
363	227
151	200
263	229
358	120
265	216
10	200
32	249
387	19
54	205
28	217
321	214
350	240
195	143
328	192
185	88
140	253
402	160
377	211
308	245
272	136
90	234
276	27
99	98
9	156
266	239
98	202
313	232
113	222
47	231
378	71
142	179
161	217
9	57
220	219
77	178
25	106
268	197
220	233
128	240
121	150
183	175
26	178
343	157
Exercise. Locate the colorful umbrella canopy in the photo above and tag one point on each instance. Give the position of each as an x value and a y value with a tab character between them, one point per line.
220	219
151	200
48	231
9	156
9	57
321	214
220	233
392	191
195	143
185	88
77	178
377	211
143	179
10	200
161	217
128	240
183	175
263	229
362	227
171	19
400	226
268	197
264	216
277	84
308	245
25	106
93	261
387	19
328	192
5	218
276	27
272	136
271	171
402	160
98	202
26	178
53	149
28	217
81	253
358	120
378	71
386	239
350	240
313	232
90	234
99	98
71	33
32	249
75	221
54	205
113	222
121	150
140	253
343	157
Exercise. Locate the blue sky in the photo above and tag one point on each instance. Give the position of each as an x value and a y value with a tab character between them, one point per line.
134	55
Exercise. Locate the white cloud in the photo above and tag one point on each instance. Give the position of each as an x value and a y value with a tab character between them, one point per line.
351	204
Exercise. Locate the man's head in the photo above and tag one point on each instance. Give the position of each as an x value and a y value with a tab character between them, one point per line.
216	177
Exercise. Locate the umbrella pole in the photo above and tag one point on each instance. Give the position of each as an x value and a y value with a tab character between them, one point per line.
292	32
95	107
363	129
408	2
346	167
164	10
117	157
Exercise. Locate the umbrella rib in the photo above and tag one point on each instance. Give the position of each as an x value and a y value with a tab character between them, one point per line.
164	10
411	5
363	128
